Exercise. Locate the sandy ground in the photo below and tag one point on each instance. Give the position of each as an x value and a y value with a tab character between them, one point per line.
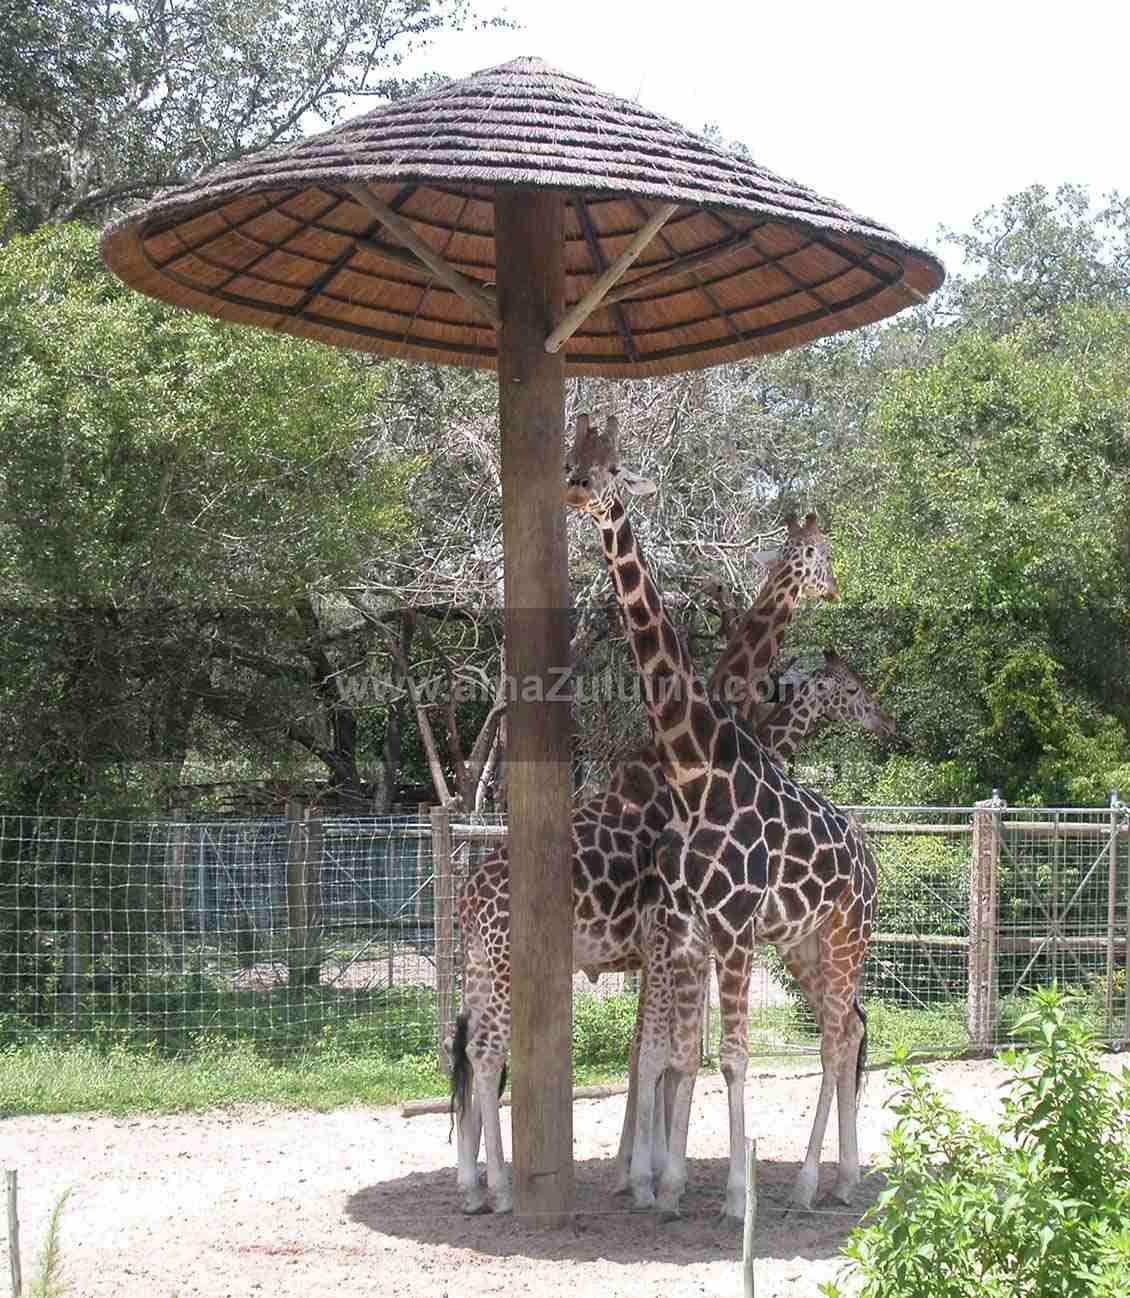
363	1202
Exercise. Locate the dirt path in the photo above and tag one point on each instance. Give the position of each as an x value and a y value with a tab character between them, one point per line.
235	1204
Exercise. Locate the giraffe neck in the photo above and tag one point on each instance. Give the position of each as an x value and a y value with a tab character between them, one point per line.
790	721
679	713
741	674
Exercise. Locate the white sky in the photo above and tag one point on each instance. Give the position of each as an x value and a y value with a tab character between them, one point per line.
915	113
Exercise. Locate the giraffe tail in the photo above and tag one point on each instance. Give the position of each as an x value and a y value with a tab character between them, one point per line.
460	1067
861	1058
461	1074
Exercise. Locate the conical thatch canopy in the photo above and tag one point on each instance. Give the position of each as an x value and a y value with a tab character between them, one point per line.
276	239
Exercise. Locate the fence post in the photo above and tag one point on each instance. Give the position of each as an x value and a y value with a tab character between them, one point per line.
173	890
423	811
303	889
1126	962
14	1234
749	1221
78	962
1111	908
982	1007
445	926
704	1044
315	921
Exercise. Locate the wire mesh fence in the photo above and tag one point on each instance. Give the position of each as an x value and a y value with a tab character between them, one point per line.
294	932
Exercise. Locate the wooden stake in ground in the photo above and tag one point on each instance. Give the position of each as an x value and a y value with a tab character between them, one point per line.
750	1217
14	1235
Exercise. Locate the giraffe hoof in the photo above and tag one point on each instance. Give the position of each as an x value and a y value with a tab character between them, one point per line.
669	1214
622	1187
475	1205
643	1196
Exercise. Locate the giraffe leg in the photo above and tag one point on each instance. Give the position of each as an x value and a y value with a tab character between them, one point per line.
498	1174
469	1124
622	1182
654	1052
685	1034
851	1033
847	1099
803	962
486	1050
462	1047
733	1053
826	966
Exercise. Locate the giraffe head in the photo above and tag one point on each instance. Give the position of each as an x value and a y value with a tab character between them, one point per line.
594	476
808	556
846	698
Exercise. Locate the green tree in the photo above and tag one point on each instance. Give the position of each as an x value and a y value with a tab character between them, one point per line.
179	502
1037	252
101	104
988	574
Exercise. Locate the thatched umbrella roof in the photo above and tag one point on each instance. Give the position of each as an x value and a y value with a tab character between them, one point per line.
748	262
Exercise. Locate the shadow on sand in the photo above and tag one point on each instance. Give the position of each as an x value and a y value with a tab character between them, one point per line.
425	1206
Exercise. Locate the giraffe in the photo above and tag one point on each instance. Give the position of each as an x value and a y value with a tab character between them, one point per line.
749	854
832	693
742	672
613	838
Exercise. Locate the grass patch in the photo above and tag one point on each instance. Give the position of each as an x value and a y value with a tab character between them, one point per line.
310	1053
54	1078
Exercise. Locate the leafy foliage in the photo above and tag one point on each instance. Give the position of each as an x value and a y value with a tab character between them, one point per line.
990	558
103	104
1037	1209
174	495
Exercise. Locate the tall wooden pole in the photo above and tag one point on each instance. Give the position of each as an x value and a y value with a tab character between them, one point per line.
531	384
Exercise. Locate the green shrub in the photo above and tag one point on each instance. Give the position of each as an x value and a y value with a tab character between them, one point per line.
1038	1209
602	1029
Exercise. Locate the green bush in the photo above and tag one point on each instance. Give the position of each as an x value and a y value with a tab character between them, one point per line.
1038	1209
602	1029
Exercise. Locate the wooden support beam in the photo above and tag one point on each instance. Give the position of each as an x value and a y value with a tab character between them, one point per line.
600	265
402	257
529	232
473	294
578	314
682	266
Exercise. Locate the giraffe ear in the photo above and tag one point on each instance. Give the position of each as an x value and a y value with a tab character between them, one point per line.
634	483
